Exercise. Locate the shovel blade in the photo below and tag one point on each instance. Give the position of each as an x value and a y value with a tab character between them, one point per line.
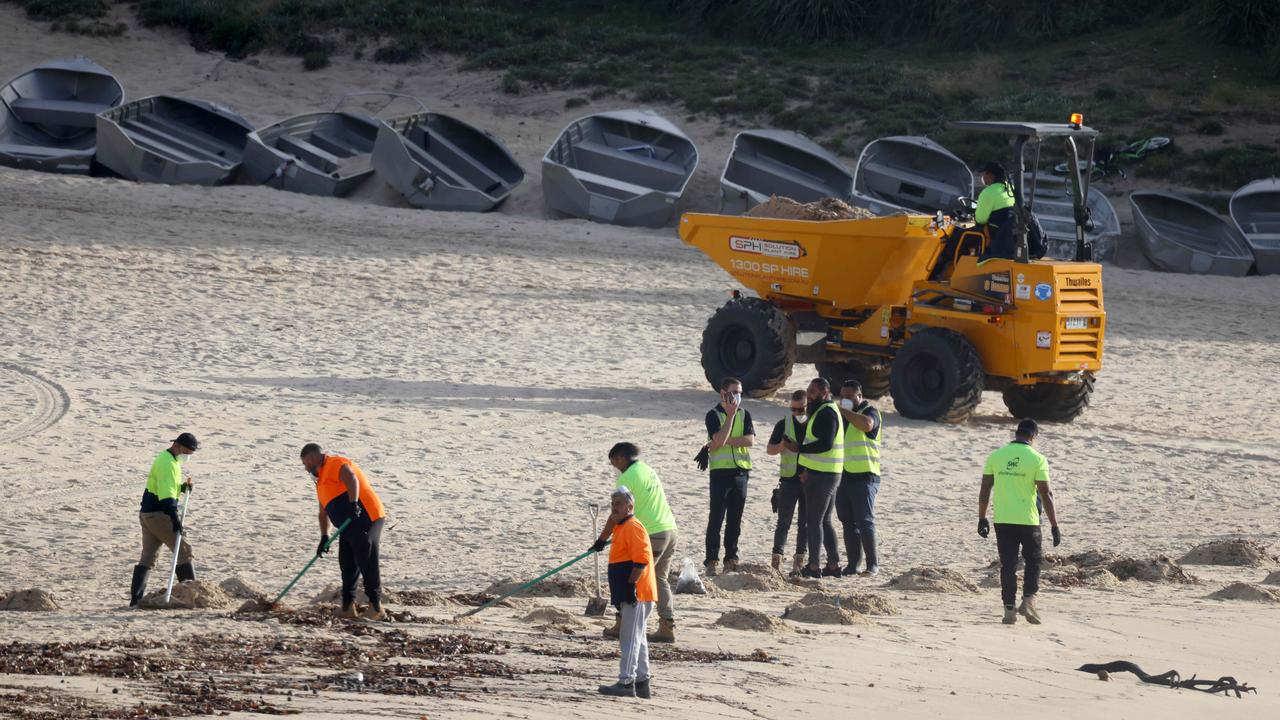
596	607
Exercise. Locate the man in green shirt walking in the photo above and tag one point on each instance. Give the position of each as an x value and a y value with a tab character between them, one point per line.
655	515
158	514
1016	474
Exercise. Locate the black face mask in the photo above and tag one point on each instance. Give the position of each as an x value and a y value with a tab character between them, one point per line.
814	405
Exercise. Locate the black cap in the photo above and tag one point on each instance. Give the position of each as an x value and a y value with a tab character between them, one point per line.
188	441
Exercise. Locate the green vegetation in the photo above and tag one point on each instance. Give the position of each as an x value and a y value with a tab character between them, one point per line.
840	70
315	60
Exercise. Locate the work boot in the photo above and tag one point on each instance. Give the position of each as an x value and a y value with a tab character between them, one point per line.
374	611
642	689
1028	609
666	633
869	551
619	689
810	572
871	571
776	562
349	612
139	585
615	631
711	568
731	565
1010	615
185	572
797	563
831	571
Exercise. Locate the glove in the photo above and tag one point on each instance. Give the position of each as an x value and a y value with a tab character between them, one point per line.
773	501
703	458
322	547
598	546
1057	535
984	527
177	525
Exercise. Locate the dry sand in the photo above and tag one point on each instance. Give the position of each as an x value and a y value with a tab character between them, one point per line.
479	367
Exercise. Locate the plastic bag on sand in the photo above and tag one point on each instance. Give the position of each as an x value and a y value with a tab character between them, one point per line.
689	583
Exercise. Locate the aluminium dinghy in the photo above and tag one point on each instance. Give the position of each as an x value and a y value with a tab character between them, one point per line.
910	172
48	115
173	140
1181	235
1052	205
625	167
439	162
324	153
764	163
1255	209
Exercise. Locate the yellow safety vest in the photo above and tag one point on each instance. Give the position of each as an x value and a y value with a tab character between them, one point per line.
789	463
731	458
831	461
862	453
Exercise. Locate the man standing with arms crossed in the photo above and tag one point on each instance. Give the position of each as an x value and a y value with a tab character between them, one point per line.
159	514
856	498
821	462
731	434
1017	474
790	493
652	511
344	492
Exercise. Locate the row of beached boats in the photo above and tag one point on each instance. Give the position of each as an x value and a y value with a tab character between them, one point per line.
625	167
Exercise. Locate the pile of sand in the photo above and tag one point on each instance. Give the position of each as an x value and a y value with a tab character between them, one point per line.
33	600
863	603
1155	569
750	582
543	615
1238	552
1249	592
188	595
825	209
1064	576
824	614
933	579
754	620
332	595
1273	578
422	598
241	589
554	587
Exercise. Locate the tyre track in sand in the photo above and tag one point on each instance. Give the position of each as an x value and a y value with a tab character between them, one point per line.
52	402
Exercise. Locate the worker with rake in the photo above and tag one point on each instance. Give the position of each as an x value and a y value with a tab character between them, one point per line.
348	501
632	589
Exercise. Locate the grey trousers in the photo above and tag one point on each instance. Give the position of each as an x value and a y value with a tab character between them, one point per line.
157	530
664	551
790	504
634	664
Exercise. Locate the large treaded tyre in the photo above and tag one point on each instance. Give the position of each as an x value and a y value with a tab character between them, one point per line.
1049	402
752	340
875	383
937	375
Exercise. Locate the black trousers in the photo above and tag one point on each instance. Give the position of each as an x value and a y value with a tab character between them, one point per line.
1012	539
856	508
790	503
728	499
358	556
819	502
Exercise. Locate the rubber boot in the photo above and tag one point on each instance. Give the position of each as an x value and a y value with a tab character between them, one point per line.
852	548
1010	615
615	631
666	632
139	586
185	572
868	536
1028	609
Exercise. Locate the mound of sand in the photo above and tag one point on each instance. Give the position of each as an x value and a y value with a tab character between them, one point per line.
824	614
241	589
188	595
1238	552
1273	578
864	603
332	595
1248	592
422	598
753	620
1155	569
554	587
547	615
750	582
932	579
825	209
32	600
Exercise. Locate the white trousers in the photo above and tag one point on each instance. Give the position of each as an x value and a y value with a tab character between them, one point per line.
635	642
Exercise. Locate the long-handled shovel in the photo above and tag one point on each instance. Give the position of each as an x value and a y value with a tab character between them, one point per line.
596	605
525	586
177	545
311	562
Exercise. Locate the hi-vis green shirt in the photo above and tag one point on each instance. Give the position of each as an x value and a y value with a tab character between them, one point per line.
1016	467
651	501
996	196
164	484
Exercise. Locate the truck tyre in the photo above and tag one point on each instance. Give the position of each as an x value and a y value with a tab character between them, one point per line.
1049	402
937	375
875	382
752	340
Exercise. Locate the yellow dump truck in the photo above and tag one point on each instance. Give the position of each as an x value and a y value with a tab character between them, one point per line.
910	306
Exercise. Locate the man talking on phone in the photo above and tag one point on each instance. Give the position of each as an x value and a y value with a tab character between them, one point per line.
729	460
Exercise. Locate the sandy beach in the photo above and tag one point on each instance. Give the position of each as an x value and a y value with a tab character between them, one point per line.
479	367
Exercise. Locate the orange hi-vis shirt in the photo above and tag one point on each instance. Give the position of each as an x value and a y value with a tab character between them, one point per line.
631	544
329	486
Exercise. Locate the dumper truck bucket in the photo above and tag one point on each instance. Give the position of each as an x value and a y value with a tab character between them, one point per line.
842	263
